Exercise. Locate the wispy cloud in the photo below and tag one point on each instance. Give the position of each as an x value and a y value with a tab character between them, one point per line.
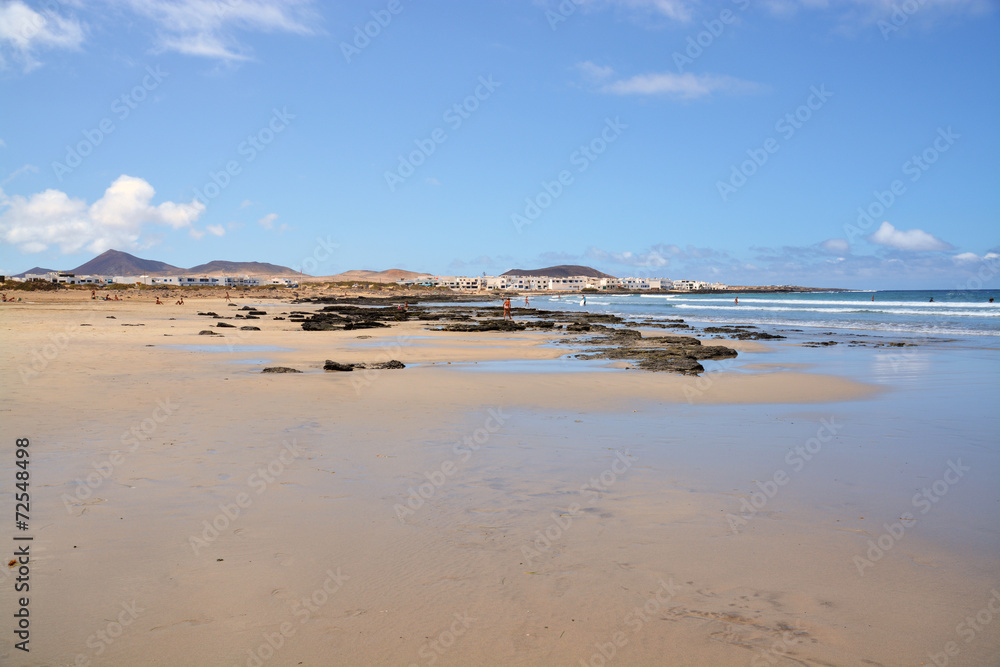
685	86
653	258
118	219
25	32
213	28
26	169
267	222
914	240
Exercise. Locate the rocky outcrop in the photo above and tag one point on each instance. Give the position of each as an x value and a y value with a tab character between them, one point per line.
675	354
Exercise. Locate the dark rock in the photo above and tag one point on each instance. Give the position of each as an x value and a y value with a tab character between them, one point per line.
209	314
224	325
381	365
578	326
487	325
277	318
249	328
279	369
112	317
334	366
208	332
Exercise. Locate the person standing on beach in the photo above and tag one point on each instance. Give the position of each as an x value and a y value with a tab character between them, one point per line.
228	300
506	310
525	301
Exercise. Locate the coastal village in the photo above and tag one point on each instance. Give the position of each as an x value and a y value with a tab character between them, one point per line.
515	282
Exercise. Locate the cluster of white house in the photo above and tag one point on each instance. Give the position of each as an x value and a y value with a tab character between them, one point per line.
570	283
506	282
66	278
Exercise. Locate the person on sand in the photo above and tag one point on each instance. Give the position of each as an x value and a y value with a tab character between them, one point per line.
227	296
506	310
158	302
93	294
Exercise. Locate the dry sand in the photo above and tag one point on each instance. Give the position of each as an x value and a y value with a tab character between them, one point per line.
334	557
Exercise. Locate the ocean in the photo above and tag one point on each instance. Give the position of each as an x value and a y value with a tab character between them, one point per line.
918	312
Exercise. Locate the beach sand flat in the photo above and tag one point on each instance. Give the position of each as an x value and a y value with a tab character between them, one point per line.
456	512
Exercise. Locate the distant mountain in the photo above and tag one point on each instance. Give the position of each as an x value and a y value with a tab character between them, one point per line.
219	266
363	276
561	271
36	270
117	263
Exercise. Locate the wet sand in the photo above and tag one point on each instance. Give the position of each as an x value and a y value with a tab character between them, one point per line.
188	509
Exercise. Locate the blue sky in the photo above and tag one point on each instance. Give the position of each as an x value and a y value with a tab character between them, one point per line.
845	143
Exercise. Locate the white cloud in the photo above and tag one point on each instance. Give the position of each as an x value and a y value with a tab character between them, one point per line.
116	220
209	28
652	259
973	258
593	71
678	10
683	86
267	222
217	230
913	239
24	32
835	245
246	202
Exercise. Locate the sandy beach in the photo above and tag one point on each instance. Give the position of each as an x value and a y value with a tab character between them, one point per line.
491	503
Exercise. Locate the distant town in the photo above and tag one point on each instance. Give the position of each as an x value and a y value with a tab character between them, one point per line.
117	268
458	283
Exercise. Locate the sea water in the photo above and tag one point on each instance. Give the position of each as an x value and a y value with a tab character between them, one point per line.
929	313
